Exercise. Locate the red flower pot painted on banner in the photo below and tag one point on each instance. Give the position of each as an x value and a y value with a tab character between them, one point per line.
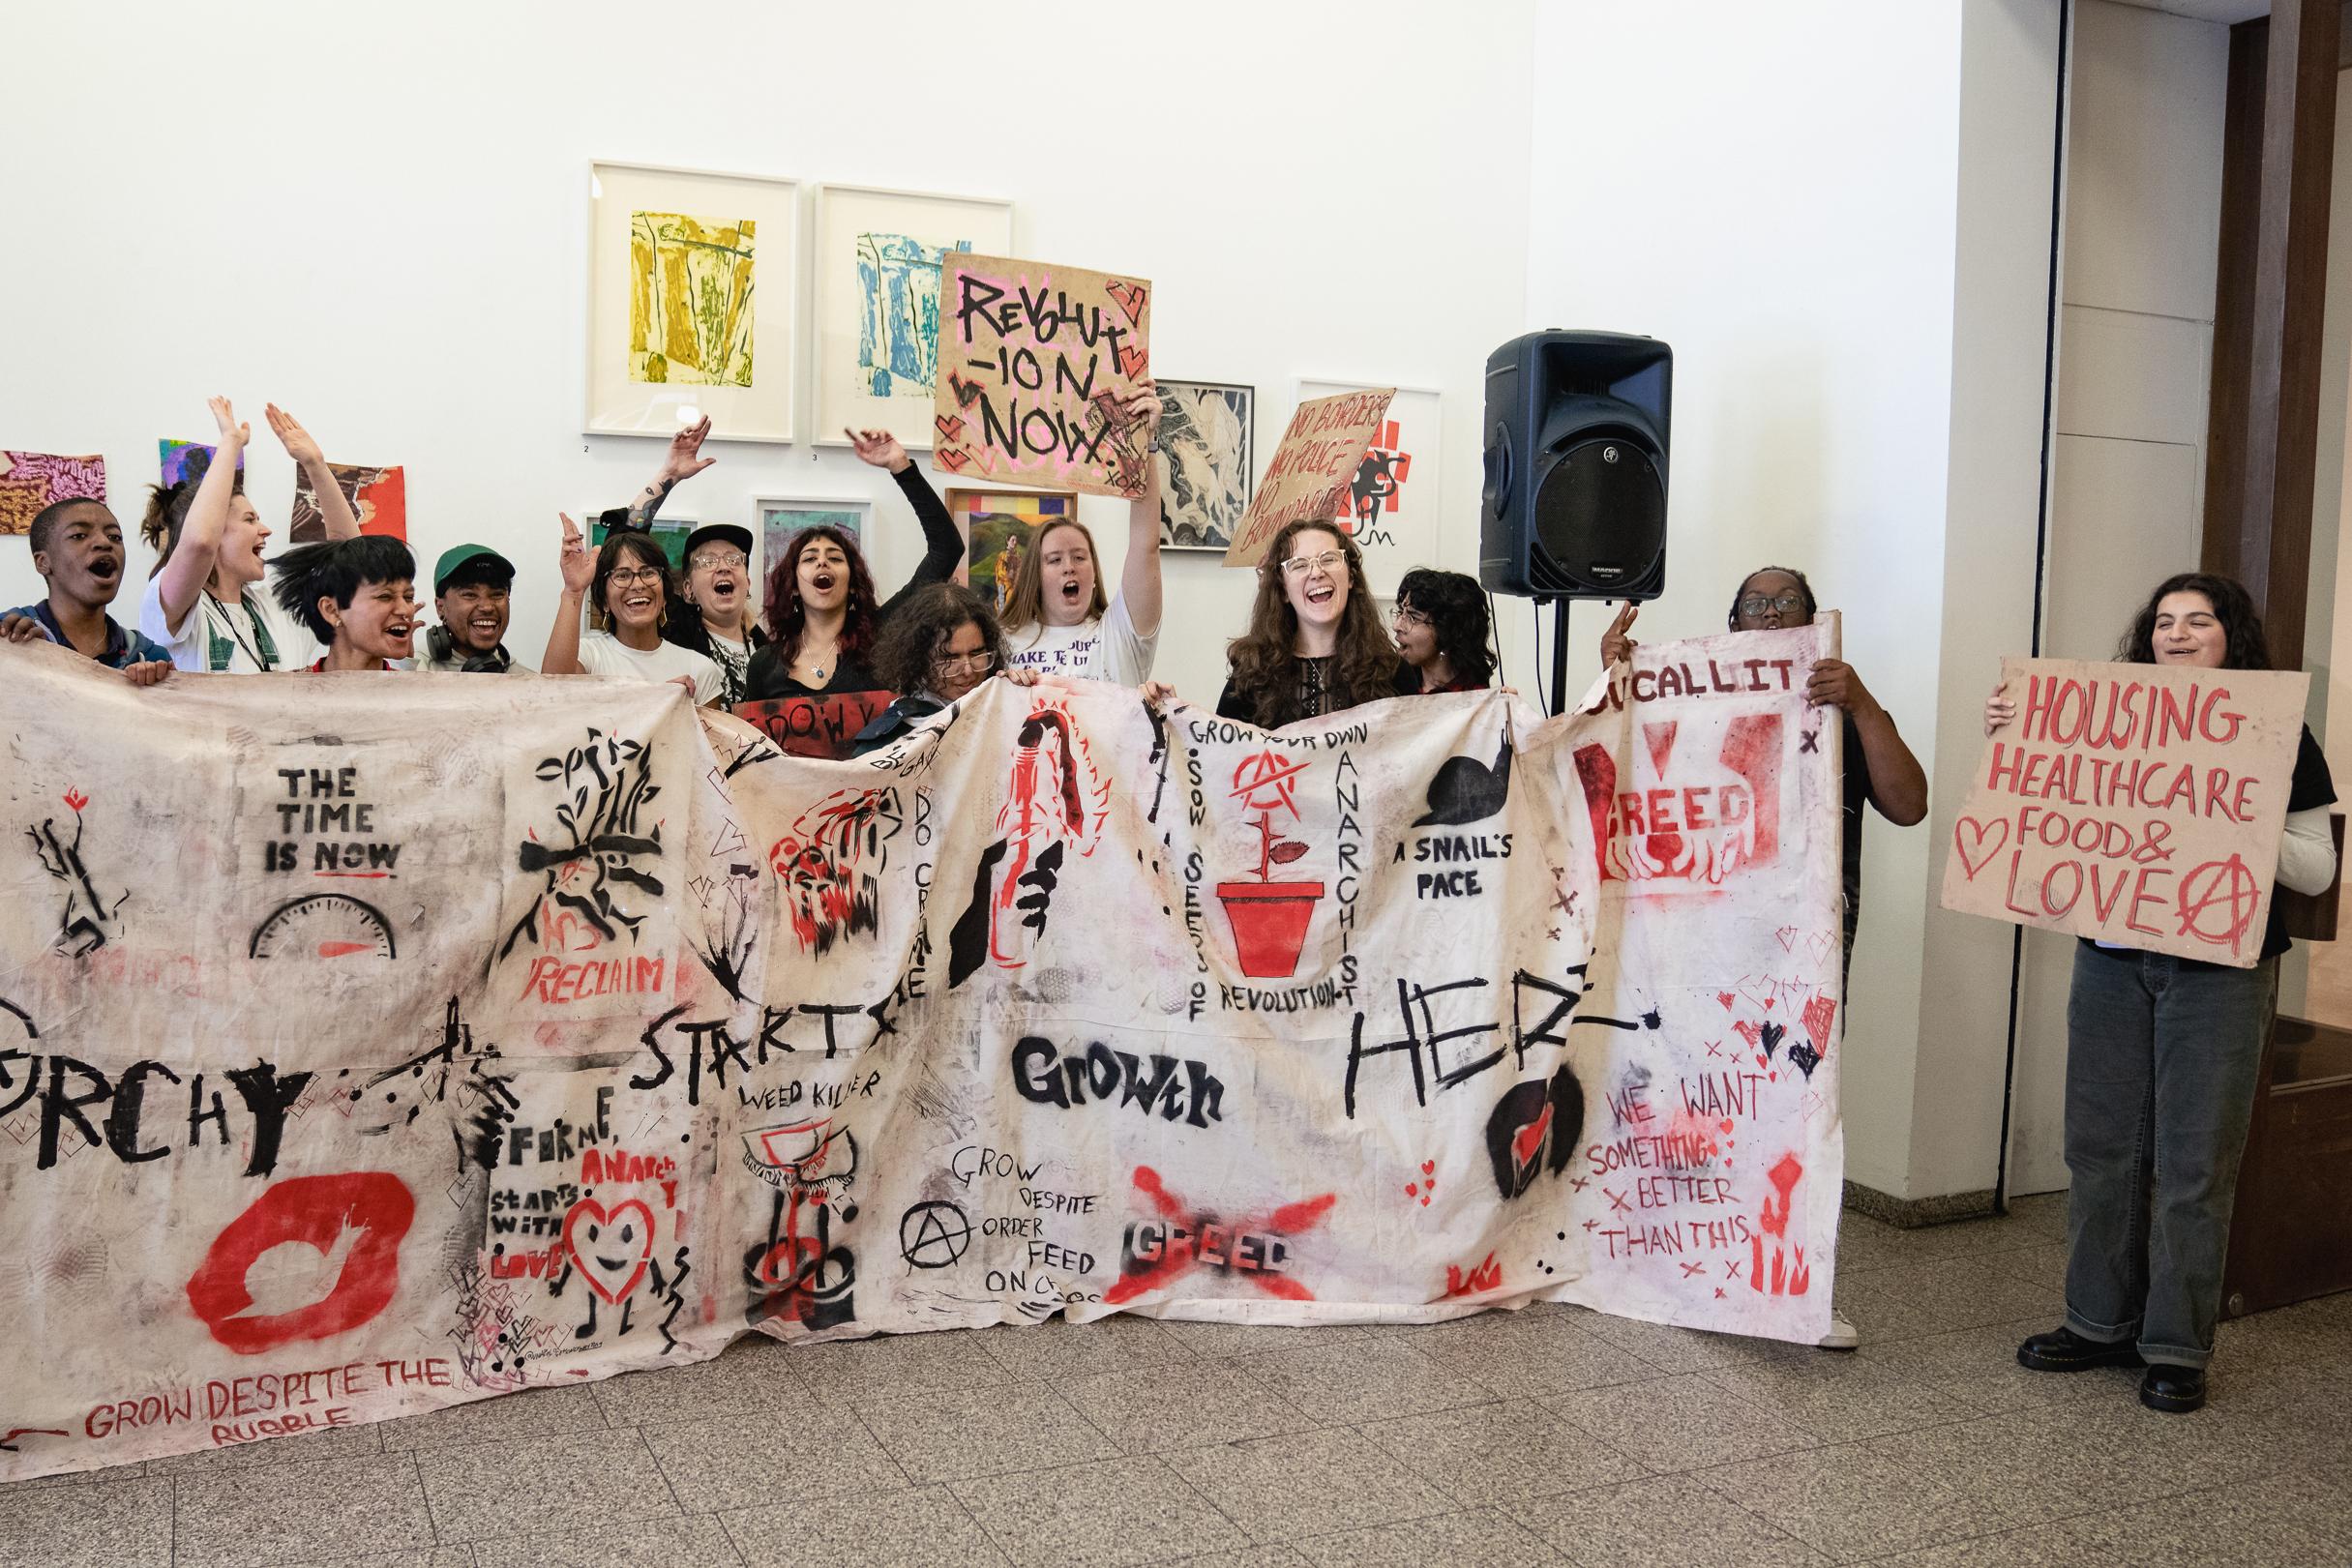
1270	919
1270	922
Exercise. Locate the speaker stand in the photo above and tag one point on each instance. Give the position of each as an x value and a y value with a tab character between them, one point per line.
1559	657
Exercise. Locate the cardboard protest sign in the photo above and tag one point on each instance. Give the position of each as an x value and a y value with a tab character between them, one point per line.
2134	804
364	1057
1031	356
824	726
1312	472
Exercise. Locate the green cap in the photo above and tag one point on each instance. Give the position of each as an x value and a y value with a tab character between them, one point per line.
451	559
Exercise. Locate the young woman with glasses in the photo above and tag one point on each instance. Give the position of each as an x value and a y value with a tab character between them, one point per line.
632	590
1314	643
939	648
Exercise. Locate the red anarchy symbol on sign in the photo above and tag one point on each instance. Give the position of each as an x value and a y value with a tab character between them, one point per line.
315	1210
2224	886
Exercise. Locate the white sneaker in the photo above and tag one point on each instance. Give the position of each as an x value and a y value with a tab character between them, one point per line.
1841	1335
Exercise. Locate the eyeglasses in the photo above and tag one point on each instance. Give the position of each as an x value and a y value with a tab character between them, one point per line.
1758	604
1409	617
630	578
711	560
1299	566
969	664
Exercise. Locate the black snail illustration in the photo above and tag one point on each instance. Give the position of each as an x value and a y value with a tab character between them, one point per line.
1467	789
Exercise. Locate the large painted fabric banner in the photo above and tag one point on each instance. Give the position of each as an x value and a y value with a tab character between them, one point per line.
373	1044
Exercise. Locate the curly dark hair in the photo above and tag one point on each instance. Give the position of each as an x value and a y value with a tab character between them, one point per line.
1456	607
1731	621
640	548
916	637
1264	660
2232	606
785	616
337	569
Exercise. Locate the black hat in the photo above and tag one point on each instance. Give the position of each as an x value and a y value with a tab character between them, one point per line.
731	533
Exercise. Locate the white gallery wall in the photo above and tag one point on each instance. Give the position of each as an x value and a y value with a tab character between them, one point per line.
378	220
1841	222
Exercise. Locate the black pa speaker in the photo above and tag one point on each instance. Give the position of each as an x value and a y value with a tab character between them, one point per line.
1576	437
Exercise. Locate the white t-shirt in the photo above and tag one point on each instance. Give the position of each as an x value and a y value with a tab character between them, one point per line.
601	653
222	637
1105	649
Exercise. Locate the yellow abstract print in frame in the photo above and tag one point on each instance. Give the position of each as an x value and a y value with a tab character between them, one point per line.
690	299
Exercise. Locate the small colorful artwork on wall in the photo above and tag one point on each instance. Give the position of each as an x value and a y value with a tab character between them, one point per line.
32	481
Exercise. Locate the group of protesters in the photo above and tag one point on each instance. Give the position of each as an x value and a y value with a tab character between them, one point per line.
1316	642
2162	1051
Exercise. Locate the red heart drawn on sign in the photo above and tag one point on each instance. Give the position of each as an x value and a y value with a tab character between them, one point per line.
950	426
1130	297
1131	363
1969	827
952	459
609	1246
967	392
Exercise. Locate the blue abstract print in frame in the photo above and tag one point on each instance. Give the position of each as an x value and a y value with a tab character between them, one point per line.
898	329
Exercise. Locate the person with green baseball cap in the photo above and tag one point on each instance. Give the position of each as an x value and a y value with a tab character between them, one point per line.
470	583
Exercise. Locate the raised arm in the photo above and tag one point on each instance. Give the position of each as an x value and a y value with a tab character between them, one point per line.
1139	582
1616	644
563	638
1899	785
192	561
682	462
942	545
333	505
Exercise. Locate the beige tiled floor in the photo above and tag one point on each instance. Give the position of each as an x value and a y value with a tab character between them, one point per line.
1551	1436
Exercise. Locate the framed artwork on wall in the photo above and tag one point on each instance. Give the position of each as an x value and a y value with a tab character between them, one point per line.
997	527
1394	507
776	519
692	293
1209	443
668	531
878	302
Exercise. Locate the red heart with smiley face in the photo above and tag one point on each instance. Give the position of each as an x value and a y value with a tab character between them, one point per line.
609	1247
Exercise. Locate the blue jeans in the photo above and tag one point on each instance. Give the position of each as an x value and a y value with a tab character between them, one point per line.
2161	1060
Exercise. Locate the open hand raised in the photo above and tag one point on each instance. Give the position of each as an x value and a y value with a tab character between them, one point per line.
232	434
290	435
577	563
879	448
684	459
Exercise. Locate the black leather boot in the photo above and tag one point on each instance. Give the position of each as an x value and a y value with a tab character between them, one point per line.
2062	1349
2173	1389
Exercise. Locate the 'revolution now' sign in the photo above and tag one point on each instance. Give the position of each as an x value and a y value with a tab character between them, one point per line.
2140	805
